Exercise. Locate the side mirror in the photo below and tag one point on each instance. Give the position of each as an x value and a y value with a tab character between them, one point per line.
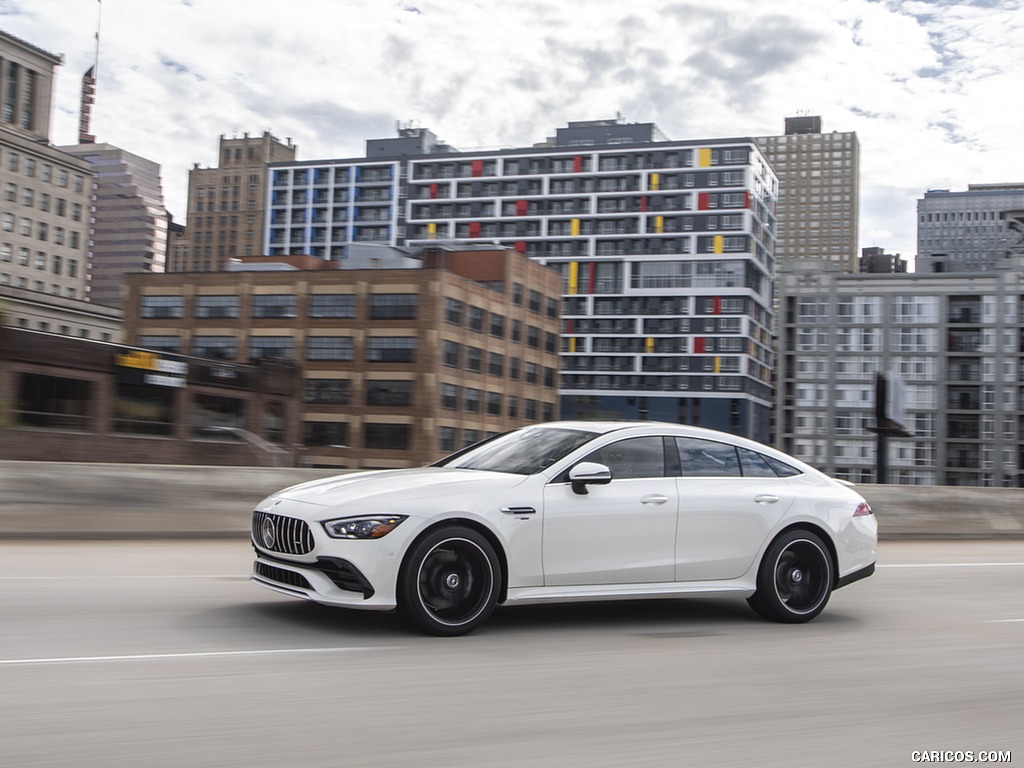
588	473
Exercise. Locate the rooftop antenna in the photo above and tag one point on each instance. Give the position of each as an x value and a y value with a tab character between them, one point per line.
89	87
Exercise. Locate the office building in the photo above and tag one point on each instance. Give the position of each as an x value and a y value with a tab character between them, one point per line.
966	231
404	357
665	251
44	207
955	340
227	204
818	208
875	259
129	220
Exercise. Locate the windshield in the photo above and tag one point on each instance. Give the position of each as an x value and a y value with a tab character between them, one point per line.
522	452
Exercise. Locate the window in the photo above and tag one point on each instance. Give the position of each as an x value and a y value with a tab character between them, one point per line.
453	312
328	391
393	306
212	411
474	359
390	393
451	354
162	343
393	437
449	396
476	319
325	433
495	364
446	439
329	348
497	326
332	305
215	347
632	458
143	410
263	347
472	400
391	349
53	403
162	306
706	458
273	305
216	306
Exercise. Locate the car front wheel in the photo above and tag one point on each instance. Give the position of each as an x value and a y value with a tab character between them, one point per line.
449	583
795	579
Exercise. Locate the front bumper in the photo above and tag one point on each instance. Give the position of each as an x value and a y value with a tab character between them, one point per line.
328	580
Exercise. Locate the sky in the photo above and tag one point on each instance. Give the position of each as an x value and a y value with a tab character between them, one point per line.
931	87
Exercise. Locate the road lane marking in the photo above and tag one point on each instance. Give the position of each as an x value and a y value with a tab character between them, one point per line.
195	655
1003	621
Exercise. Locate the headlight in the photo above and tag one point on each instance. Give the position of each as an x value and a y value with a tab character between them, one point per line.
372	527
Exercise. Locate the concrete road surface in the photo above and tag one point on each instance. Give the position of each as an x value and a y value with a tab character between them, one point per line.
143	655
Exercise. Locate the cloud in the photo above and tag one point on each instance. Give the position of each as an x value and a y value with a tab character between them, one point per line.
929	87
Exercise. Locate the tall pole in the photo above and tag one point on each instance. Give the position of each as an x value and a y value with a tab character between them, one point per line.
88	96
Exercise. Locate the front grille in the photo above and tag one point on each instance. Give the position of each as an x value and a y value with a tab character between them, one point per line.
282	576
281	534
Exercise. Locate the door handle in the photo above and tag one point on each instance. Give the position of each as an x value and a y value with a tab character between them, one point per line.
766	498
654	498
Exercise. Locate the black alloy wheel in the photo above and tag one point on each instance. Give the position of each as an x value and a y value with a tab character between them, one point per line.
449	582
795	579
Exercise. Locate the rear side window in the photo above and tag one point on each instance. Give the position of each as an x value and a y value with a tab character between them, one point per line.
706	458
755	465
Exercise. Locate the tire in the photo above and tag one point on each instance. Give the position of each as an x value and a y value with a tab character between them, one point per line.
795	578
449	582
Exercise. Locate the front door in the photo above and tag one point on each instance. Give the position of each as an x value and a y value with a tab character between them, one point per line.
620	533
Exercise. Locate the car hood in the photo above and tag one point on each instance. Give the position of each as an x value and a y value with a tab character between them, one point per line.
398	485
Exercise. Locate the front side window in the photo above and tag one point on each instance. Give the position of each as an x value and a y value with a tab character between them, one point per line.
632	458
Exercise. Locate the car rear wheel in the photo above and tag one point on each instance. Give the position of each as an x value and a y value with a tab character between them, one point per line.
449	583
795	579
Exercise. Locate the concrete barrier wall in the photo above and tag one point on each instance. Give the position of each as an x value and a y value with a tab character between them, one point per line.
107	501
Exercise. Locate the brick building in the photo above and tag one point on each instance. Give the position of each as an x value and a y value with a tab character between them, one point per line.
403	359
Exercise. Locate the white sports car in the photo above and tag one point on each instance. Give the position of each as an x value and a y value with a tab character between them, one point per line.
570	511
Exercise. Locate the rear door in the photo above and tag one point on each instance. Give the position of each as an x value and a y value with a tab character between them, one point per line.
730	500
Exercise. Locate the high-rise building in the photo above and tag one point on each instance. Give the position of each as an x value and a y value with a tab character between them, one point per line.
665	251
818	208
875	259
965	231
954	341
129	220
44	207
226	204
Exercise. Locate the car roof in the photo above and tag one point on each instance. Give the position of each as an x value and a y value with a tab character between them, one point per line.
668	428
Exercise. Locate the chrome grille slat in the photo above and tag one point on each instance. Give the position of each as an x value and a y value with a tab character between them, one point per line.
292	536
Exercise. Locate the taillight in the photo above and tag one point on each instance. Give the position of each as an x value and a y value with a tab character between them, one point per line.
863	509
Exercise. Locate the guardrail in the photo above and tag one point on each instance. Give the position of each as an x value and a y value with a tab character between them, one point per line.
136	501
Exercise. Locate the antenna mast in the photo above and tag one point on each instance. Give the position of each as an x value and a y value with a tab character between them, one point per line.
89	88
